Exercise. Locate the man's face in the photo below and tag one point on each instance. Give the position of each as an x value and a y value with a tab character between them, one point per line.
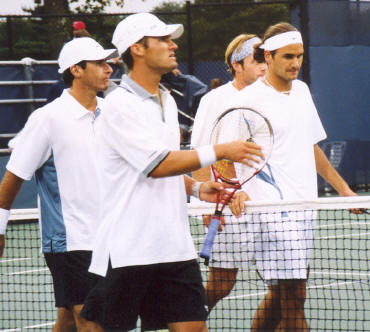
250	70
160	54
96	75
286	62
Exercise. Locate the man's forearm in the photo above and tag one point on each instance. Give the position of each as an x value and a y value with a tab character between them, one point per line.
328	172
9	189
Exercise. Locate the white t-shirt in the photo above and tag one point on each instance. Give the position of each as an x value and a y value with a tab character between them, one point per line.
144	219
211	106
58	145
291	168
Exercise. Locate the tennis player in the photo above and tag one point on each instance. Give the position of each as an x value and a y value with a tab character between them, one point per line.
244	70
144	248
58	145
282	243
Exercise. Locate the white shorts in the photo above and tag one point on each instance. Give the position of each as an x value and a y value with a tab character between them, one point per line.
282	244
279	244
232	247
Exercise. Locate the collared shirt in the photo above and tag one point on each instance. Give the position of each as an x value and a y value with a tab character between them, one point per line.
144	220
58	145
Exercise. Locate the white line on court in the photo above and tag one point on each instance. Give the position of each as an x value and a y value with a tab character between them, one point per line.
27	271
342	236
334	284
347	274
28	327
14	260
39	325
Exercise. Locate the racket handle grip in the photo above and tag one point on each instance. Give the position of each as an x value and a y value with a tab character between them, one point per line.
208	242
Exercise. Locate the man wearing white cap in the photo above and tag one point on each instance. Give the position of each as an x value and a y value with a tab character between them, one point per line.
145	249
282	241
58	145
244	70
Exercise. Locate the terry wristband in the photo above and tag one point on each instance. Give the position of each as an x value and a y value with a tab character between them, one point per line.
196	189
4	216
206	155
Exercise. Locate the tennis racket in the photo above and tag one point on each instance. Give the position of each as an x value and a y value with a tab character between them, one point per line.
233	124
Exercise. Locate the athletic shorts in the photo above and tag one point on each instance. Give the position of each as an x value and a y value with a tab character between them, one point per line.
282	244
278	244
232	246
159	294
71	278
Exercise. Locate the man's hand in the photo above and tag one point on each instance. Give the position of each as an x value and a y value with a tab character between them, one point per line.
210	191
239	151
237	206
2	244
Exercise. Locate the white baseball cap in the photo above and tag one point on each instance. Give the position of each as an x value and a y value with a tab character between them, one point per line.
80	49
134	27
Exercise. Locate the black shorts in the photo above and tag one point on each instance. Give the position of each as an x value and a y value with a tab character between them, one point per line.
159	293
71	278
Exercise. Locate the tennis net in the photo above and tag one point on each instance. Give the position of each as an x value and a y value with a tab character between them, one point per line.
337	292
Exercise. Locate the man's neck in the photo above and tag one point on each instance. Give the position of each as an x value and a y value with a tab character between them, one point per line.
278	83
146	79
85	96
238	85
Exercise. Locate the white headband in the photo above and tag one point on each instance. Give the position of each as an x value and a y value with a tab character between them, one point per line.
246	49
281	40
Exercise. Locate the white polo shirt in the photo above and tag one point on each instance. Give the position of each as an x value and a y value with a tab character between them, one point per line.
144	220
291	170
58	145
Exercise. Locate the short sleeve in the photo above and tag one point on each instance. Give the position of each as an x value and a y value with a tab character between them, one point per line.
129	133
32	148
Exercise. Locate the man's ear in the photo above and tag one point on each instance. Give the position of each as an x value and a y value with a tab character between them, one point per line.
75	70
137	49
268	56
236	66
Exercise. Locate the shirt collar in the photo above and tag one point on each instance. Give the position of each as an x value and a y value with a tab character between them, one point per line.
131	85
76	108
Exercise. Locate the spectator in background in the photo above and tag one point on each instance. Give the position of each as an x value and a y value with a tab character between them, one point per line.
79	29
215	83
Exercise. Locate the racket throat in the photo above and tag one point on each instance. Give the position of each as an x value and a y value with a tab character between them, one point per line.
218	214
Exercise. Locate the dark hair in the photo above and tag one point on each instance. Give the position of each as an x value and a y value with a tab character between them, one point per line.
67	75
80	33
127	57
273	30
216	82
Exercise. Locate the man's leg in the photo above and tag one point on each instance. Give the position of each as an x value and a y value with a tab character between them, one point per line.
188	327
65	321
293	296
219	284
268	315
82	324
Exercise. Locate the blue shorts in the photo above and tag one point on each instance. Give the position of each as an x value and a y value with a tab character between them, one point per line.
159	294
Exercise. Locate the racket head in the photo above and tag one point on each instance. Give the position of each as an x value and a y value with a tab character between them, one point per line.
246	124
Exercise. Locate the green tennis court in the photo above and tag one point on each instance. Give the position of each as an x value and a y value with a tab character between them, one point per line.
338	295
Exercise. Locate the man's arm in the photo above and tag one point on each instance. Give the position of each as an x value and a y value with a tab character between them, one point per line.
9	189
206	190
328	172
182	162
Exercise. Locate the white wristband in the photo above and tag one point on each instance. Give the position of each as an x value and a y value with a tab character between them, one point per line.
4	216
206	155
196	189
